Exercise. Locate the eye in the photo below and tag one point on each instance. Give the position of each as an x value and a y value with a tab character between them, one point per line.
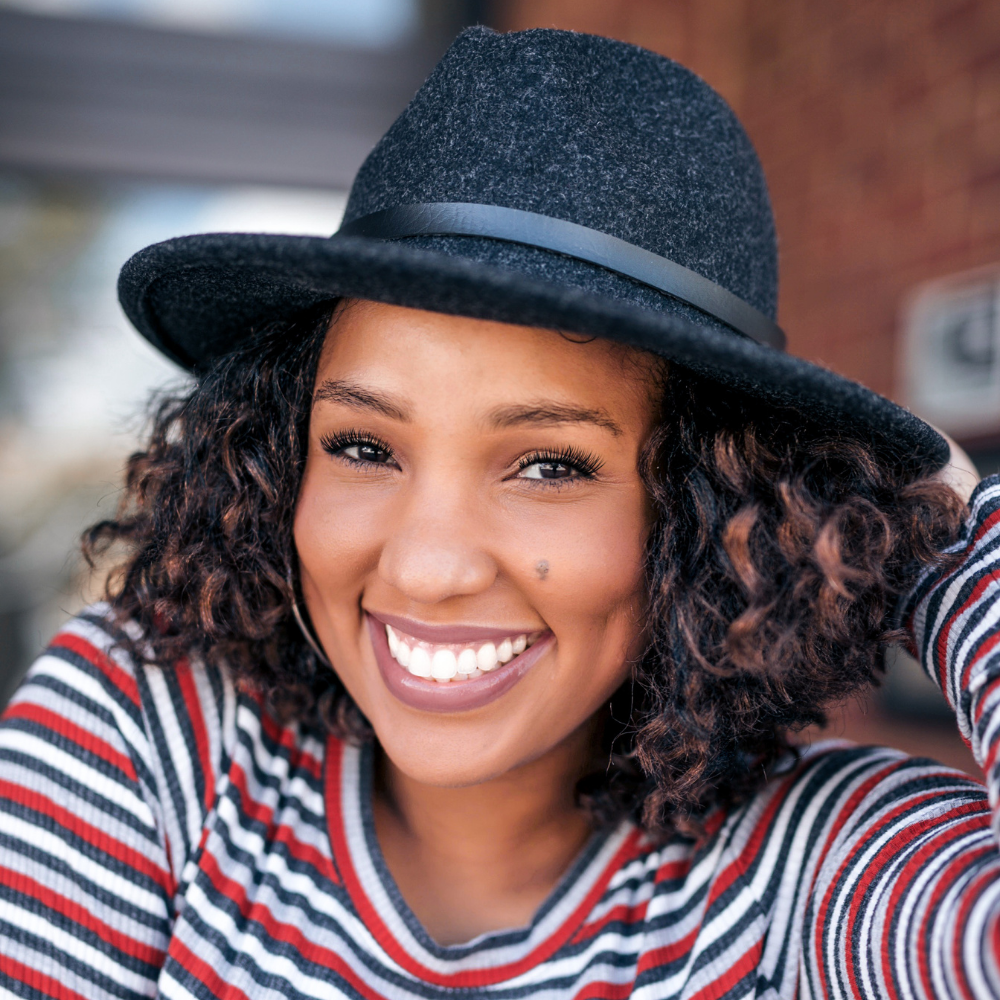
361	449
549	470
568	464
367	452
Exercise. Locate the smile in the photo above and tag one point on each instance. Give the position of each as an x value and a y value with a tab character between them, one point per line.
454	662
451	669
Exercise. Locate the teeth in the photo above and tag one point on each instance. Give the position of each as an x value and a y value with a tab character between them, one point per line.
444	665
452	662
486	657
420	662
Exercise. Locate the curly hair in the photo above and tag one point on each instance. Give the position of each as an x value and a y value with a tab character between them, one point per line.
778	556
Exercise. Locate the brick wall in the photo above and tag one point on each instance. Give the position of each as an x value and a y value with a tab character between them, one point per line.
878	123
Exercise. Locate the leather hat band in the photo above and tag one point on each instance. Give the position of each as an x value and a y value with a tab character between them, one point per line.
571	240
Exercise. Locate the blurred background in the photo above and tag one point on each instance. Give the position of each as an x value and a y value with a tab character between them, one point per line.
124	122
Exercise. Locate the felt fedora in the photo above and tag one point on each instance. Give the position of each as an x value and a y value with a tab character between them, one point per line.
545	178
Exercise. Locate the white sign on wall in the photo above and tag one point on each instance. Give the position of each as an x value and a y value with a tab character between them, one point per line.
951	352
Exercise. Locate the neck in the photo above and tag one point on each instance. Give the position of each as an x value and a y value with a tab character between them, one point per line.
484	857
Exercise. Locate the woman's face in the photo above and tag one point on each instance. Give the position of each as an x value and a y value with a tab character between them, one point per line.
470	532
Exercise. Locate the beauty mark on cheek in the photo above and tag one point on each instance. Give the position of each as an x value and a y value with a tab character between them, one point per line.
542	569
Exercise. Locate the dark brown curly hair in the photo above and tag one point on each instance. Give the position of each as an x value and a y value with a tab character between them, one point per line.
777	559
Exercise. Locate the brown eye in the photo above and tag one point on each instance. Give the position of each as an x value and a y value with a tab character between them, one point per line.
360	449
566	463
367	452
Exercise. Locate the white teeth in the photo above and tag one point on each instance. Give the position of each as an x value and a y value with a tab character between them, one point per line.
486	657
452	662
420	662
444	665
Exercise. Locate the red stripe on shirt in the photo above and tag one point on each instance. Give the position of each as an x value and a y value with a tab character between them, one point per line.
83	738
255	911
78	914
280	832
741	968
120	678
217	987
92	835
37	981
192	702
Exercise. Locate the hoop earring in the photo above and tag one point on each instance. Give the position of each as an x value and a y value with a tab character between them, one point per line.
303	628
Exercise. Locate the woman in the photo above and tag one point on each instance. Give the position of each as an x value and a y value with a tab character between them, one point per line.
469	599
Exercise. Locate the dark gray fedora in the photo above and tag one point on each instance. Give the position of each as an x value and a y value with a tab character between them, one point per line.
544	178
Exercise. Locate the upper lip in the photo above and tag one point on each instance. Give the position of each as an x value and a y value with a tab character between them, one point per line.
445	634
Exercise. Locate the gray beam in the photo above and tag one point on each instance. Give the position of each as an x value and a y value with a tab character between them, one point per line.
102	96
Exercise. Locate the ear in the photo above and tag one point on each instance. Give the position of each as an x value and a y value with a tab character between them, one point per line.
960	473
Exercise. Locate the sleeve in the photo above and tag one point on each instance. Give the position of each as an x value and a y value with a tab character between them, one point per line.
86	886
906	897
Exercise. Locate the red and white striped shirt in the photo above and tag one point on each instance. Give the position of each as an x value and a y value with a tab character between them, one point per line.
162	835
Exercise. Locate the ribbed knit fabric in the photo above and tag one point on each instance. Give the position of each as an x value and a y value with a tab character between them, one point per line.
161	834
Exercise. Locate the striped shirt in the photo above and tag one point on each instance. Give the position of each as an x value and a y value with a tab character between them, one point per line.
161	834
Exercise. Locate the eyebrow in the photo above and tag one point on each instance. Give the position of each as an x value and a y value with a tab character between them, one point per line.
359	397
351	394
552	413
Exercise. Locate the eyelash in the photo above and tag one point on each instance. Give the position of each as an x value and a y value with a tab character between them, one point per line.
585	464
334	443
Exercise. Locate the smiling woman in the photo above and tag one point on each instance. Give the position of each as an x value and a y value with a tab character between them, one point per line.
444	454
473	595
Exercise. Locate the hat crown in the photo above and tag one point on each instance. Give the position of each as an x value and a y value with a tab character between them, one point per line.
589	130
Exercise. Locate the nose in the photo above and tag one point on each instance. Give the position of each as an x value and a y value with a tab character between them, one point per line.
433	554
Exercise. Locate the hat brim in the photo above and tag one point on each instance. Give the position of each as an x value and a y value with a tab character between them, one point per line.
195	298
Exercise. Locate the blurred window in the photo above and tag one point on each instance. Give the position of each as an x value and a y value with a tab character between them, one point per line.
369	24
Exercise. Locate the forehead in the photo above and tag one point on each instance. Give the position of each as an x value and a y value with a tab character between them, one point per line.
478	364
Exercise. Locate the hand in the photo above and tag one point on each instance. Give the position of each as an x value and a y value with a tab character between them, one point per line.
960	473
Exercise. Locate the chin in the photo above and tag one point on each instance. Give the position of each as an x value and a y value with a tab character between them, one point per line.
431	760
456	752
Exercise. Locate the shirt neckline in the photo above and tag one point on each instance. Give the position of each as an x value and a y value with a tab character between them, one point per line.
490	958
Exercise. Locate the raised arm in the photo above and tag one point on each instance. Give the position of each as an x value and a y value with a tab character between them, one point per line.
906	902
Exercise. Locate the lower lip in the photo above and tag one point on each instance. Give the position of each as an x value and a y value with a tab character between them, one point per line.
453	696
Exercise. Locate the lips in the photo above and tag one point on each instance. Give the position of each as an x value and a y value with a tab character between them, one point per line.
455	691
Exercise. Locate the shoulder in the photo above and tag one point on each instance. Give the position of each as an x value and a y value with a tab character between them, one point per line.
170	727
90	658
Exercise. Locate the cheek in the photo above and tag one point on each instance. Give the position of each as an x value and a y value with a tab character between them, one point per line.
336	533
592	588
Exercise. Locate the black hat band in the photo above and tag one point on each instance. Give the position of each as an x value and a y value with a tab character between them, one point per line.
559	236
